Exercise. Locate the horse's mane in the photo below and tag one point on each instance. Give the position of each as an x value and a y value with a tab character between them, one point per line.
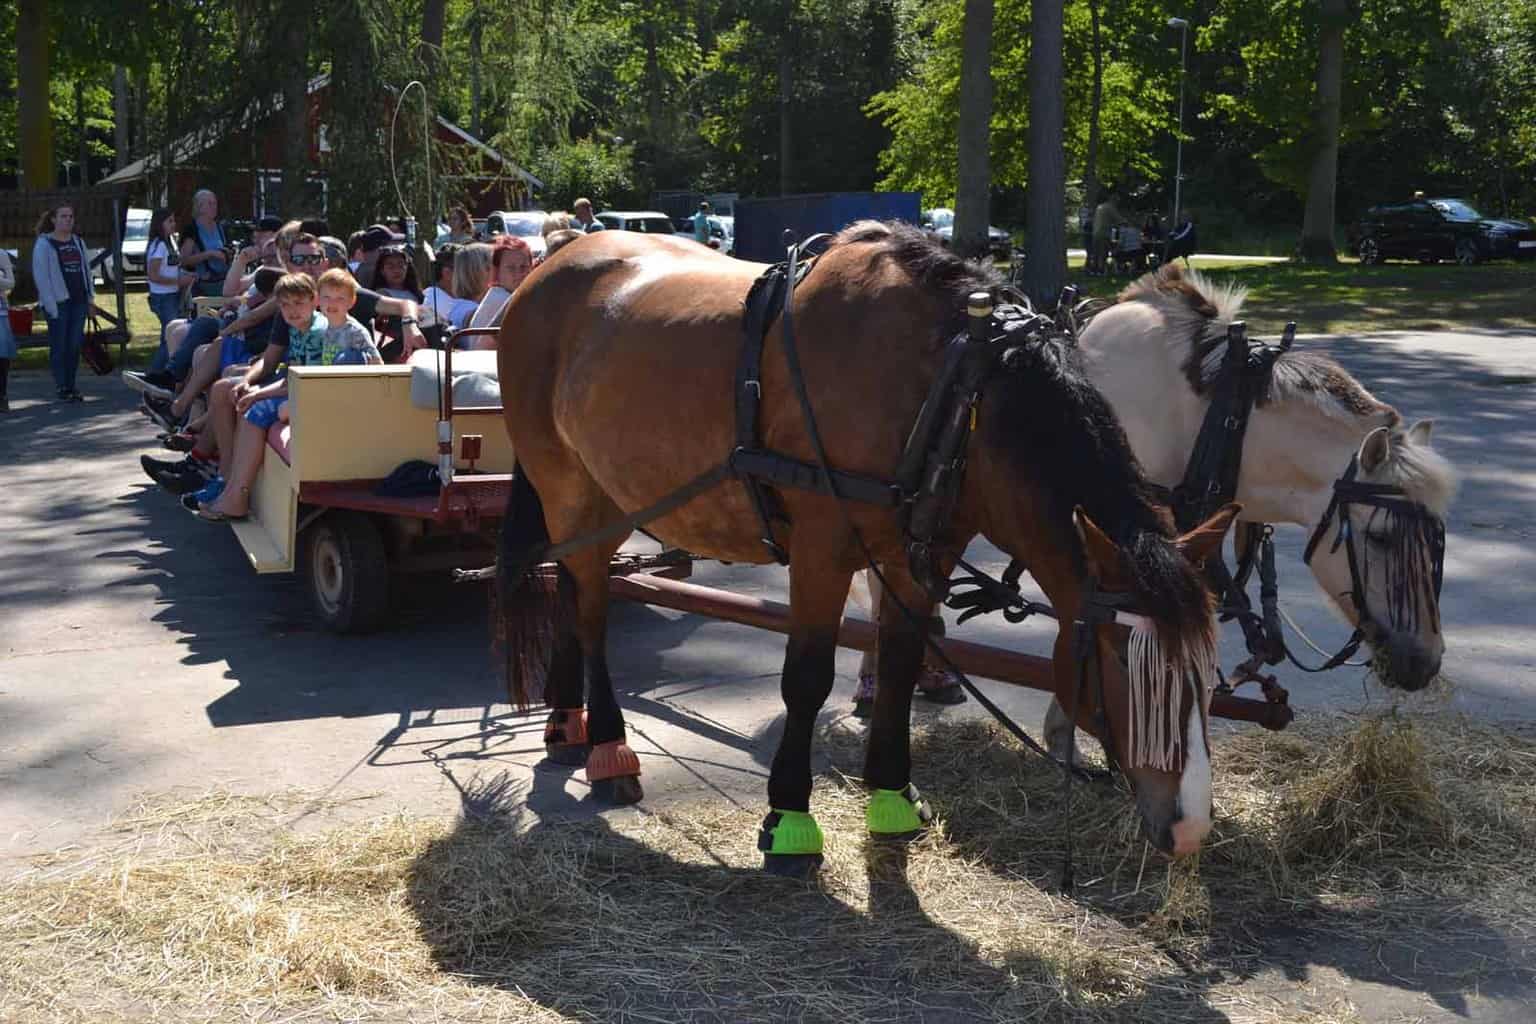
1197	312
1059	429
1198	309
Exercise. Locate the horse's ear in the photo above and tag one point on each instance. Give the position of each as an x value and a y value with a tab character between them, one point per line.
1375	449
1102	554
1205	540
1418	434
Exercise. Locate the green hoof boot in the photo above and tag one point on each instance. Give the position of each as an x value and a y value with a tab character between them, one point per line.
898	814
791	844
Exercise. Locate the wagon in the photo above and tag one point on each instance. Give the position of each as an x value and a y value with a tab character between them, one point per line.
319	507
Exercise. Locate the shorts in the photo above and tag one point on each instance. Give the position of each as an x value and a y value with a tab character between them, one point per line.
349	357
232	353
264	412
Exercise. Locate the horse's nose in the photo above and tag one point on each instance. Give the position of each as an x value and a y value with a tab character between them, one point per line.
1411	663
1188	833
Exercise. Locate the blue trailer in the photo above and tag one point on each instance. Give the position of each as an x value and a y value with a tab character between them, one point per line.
760	223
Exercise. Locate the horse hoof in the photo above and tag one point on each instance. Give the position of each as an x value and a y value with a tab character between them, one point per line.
792	865
619	791
569	755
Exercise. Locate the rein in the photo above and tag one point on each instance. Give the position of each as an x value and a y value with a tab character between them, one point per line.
1210	480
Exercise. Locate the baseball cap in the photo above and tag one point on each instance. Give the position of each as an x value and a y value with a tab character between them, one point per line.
376	236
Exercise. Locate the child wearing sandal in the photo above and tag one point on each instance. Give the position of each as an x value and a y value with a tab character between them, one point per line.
314	339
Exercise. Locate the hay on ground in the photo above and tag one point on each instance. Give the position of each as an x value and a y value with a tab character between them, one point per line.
197	912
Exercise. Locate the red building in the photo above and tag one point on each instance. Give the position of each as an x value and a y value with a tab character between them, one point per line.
242	163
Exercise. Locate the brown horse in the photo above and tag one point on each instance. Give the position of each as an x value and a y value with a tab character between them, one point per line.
617	361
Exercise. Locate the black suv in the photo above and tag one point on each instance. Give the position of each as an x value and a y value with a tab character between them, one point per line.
1430	230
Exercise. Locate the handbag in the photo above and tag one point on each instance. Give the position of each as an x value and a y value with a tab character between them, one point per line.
95	349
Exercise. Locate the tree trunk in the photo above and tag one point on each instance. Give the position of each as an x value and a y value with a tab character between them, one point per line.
34	117
1045	270
120	115
973	176
1317	223
786	92
293	59
432	14
1095	108
82	144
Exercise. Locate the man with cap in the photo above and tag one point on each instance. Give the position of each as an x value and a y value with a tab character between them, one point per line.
701	224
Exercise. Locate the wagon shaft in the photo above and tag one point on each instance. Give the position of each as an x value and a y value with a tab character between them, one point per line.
997	663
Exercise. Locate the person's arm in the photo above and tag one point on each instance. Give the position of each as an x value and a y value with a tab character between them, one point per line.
276	389
7	274
271	356
238	277
42	252
256	317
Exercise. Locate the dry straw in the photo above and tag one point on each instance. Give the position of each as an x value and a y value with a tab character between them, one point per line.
196	911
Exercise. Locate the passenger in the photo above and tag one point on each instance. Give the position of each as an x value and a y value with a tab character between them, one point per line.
394	274
319	333
205	247
472	277
461	229
440	307
513	262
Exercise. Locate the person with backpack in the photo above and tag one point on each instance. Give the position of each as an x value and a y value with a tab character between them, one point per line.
61	267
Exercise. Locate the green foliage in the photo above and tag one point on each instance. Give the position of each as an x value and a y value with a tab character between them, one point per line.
586	167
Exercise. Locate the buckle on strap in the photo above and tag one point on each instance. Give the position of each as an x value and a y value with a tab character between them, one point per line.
754	386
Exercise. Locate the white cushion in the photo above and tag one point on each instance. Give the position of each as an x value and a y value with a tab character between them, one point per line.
474	378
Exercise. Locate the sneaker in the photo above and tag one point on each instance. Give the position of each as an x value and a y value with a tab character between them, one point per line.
210	492
179	476
75	395
62	394
5	405
159	411
940	685
158	385
864	696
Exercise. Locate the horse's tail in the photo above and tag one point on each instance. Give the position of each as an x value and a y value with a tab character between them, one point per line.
529	603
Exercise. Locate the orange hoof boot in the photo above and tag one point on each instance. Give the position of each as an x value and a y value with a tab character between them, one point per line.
614	772
565	737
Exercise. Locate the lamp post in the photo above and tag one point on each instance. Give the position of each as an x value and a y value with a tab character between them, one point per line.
1178	170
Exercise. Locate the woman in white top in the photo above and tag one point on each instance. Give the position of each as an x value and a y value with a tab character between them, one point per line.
471	277
162	262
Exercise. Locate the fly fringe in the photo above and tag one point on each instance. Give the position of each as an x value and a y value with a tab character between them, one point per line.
1156	727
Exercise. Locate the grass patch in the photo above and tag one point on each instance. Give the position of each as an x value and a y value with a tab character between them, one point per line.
141	321
1352	298
1348	834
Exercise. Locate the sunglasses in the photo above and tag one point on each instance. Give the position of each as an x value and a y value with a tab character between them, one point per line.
306	259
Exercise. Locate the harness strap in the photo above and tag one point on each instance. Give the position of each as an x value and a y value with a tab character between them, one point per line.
765	296
623	527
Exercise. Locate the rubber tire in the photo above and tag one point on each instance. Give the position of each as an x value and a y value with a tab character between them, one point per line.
1369	252
348	547
1467	254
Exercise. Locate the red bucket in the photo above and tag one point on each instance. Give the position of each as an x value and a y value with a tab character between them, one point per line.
21	322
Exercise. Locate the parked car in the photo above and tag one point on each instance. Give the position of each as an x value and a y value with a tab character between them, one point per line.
940	223
525	224
722	231
135	241
1430	230
646	221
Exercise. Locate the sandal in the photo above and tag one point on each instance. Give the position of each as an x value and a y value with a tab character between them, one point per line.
209	514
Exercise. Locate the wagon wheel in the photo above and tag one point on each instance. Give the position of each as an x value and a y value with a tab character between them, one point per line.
1370	251
1466	252
346	571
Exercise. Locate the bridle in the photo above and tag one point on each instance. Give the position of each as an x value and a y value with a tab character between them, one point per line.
1412	587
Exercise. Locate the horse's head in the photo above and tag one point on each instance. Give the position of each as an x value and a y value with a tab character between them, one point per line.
1379	551
1144	687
